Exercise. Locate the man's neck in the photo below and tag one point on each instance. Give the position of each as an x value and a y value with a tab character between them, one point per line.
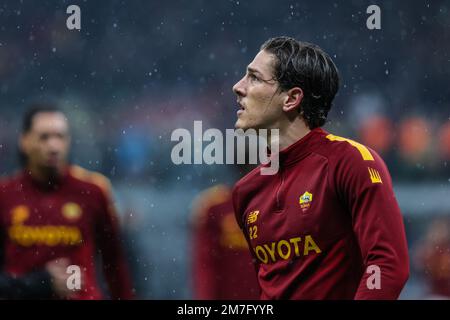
290	134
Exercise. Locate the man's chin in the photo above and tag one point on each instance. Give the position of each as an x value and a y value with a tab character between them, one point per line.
240	125
245	126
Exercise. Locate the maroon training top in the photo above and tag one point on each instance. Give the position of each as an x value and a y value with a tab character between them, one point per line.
72	218
326	225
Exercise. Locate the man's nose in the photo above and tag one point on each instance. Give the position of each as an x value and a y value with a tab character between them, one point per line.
238	88
54	144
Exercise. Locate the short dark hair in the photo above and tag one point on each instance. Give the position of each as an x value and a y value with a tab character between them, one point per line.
27	123
305	65
33	110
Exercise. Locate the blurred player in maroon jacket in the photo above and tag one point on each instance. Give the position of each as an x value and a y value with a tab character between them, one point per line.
222	264
327	224
432	258
53	215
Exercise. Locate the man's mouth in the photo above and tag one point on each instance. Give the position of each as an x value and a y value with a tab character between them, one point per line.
52	159
241	108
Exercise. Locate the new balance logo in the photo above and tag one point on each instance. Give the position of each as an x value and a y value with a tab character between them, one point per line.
374	176
252	217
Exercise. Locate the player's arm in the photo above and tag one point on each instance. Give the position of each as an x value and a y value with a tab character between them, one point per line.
239	214
110	245
204	247
365	185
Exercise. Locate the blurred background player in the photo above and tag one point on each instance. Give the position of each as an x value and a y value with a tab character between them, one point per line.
222	264
433	259
53	215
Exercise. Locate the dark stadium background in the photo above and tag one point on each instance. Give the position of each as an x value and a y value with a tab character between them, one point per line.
137	70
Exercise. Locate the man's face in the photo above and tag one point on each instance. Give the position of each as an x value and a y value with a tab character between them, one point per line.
46	144
258	97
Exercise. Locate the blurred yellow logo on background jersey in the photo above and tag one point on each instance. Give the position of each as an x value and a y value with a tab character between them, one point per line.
71	211
48	235
20	214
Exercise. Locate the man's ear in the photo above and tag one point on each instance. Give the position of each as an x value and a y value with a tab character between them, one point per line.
293	99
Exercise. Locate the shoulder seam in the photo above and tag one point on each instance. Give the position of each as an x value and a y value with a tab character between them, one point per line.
95	178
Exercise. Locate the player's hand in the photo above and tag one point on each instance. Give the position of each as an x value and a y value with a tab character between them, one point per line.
58	271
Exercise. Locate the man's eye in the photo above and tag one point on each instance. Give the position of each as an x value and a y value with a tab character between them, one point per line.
253	77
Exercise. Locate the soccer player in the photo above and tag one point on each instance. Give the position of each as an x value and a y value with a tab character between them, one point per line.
327	224
222	265
432	259
53	214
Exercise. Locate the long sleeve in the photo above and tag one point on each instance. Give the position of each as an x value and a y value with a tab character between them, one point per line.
205	245
378	227
110	246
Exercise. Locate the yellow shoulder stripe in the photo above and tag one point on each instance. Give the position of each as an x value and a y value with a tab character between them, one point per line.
92	177
365	153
